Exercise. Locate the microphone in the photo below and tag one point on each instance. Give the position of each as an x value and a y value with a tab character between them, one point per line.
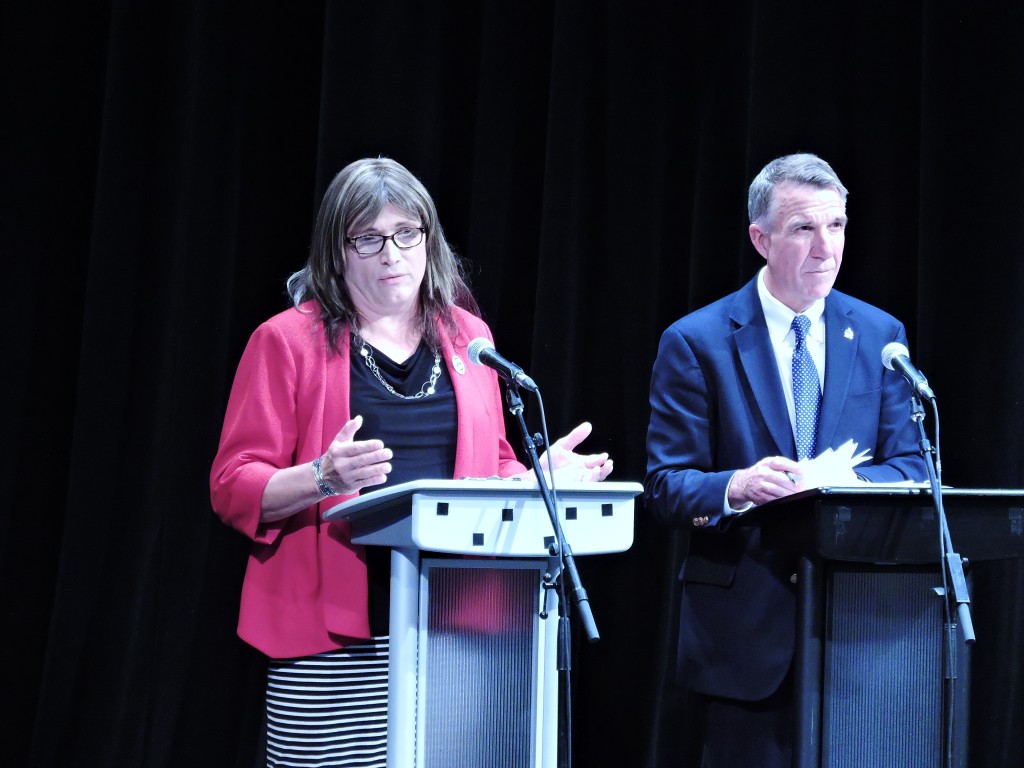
896	357
482	352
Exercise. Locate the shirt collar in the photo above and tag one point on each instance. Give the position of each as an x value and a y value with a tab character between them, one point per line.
779	317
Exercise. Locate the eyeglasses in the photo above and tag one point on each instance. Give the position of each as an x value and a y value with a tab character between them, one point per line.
407	237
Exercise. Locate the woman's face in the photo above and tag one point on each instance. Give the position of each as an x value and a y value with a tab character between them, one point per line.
386	283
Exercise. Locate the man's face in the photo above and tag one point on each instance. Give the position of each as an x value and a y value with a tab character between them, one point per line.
802	243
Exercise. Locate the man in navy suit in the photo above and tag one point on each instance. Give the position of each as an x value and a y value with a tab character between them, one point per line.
722	440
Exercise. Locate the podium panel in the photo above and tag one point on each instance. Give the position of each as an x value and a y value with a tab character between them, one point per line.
883	670
882	673
492	517
472	670
482	695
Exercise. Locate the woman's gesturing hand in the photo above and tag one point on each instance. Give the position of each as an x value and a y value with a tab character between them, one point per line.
572	467
350	465
346	467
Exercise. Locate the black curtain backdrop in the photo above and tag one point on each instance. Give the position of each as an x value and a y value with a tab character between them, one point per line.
161	166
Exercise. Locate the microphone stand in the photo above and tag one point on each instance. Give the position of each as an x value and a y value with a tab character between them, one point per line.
953	567
953	562
560	547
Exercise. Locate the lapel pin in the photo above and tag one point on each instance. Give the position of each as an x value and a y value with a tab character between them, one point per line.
848	333
458	365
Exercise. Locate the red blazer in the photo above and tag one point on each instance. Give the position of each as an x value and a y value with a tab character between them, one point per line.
305	587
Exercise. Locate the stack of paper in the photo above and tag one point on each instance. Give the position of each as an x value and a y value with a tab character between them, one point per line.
834	466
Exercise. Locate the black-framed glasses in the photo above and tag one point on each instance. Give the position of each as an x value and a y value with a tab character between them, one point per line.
406	237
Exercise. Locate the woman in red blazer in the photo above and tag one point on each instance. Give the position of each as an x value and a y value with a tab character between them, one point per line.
375	346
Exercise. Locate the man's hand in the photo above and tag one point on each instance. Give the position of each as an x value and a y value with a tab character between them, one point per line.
771	478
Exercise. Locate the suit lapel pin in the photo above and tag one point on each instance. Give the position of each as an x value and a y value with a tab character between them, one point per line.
458	365
848	333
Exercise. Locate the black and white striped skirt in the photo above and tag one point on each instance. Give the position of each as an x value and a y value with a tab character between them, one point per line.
330	709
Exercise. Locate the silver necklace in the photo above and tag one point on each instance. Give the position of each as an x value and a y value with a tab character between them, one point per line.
428	387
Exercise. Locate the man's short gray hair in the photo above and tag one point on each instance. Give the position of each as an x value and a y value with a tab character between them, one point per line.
801	168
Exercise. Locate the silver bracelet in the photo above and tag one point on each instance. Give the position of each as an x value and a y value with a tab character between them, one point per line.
321	484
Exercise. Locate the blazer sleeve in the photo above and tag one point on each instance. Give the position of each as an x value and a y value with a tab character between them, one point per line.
259	435
681	483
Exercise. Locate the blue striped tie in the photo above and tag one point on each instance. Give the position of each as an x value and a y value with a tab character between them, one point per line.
806	391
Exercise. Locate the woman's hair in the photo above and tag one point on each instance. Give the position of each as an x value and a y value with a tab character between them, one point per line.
354	199
802	168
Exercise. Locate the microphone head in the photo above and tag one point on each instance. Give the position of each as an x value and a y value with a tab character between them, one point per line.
476	346
891	350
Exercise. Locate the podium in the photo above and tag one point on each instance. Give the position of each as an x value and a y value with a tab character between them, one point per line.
472	669
874	685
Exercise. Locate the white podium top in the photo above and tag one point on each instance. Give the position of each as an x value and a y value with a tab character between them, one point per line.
492	517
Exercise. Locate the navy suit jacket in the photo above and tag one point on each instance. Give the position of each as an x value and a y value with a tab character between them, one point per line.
717	406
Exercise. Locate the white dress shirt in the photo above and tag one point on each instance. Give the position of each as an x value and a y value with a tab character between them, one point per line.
779	318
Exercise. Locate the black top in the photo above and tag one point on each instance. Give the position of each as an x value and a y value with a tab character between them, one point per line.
421	433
